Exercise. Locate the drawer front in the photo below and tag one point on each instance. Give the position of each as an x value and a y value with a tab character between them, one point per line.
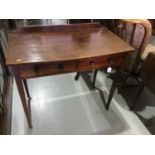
37	70
99	62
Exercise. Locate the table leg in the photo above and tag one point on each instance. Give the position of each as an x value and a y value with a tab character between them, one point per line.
113	88
77	76
112	91
23	99
26	89
94	77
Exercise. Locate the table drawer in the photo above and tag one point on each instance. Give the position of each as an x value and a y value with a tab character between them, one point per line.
38	70
104	61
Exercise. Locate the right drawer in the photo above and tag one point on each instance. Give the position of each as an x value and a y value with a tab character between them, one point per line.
103	61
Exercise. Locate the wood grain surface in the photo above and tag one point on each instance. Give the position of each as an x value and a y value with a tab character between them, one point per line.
61	43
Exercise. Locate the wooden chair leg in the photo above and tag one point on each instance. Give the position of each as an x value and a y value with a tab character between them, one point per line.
137	98
94	77
123	83
77	76
125	80
26	89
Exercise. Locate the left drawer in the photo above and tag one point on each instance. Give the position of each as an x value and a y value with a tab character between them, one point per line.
45	69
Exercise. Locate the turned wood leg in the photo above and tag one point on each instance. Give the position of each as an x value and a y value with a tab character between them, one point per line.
26	89
23	99
77	76
94	77
137	98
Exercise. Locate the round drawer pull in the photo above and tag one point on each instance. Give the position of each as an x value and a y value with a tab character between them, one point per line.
91	62
61	67
36	69
111	61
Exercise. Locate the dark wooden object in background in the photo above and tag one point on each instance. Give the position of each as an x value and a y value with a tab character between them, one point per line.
5	83
153	25
48	50
137	33
78	21
147	76
126	29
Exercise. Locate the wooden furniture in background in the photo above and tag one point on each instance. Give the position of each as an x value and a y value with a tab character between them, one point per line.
147	76
5	82
48	50
137	33
152	21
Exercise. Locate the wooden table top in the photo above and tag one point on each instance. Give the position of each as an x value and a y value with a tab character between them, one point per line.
62	43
